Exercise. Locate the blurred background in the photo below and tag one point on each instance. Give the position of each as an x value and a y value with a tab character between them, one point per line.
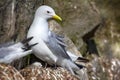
92	25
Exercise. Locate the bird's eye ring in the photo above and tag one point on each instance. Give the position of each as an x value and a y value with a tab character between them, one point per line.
48	11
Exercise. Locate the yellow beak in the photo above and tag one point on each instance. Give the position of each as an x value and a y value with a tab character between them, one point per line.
57	17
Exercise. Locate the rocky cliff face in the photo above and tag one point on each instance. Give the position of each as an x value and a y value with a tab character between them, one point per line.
92	25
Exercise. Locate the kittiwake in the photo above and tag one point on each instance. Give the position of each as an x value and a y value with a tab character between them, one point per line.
51	47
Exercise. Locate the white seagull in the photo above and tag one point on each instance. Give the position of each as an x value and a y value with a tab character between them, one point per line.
10	51
51	47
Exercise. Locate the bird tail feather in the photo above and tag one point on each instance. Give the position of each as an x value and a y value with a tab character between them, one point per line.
71	66
75	69
81	59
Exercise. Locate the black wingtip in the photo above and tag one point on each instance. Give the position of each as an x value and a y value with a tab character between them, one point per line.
27	40
82	59
28	47
80	66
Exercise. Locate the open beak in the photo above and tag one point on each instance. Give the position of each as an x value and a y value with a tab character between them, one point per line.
57	17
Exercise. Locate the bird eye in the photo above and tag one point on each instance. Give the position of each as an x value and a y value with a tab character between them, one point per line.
48	11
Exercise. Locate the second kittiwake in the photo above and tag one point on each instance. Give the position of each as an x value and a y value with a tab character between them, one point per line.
11	51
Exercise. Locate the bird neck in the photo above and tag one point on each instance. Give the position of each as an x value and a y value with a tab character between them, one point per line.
39	28
40	23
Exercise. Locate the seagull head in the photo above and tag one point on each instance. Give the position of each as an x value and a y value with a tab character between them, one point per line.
47	12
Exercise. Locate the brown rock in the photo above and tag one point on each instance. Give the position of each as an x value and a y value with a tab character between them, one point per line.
8	72
34	72
104	69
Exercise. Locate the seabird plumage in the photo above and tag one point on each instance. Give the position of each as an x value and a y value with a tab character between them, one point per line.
51	47
10	51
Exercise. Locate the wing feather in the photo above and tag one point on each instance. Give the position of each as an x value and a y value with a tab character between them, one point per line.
57	45
5	51
6	44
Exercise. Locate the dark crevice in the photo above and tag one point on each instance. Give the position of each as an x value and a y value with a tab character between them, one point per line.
89	40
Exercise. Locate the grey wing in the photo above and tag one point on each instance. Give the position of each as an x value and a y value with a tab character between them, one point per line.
5	51
60	39
6	44
9	48
57	45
